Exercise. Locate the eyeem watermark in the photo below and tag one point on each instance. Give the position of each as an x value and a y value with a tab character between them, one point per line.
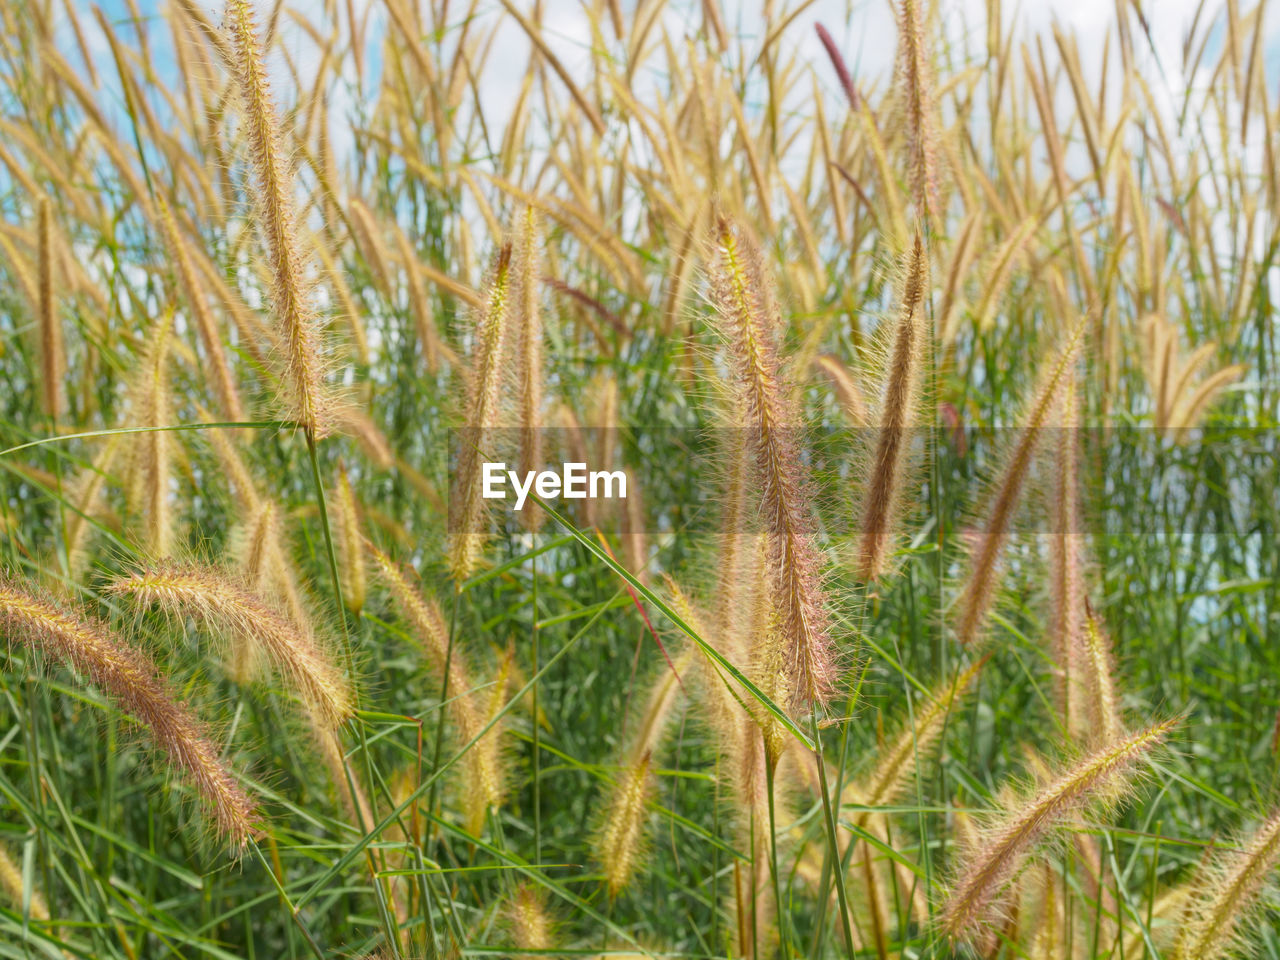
572	482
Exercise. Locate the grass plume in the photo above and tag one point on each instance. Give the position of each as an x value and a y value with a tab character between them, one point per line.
299	325
1230	888
751	326
897	411
484	391
130	679
983	880
980	587
227	606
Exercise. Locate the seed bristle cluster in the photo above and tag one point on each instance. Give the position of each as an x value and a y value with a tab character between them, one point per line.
483	395
752	327
979	591
883	489
621	842
484	777
980	891
299	324
1230	888
227	606
133	681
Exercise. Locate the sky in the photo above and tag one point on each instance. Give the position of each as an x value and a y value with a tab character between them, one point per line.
864	28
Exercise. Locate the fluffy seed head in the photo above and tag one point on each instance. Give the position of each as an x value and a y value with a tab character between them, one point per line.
150	406
619	846
483	775
350	544
18	893
355	803
988	870
717	699
529	921
52	358
424	615
751	327
734	541
984	570
897	764
897	410
299	325
259	551
131	679
622	834
1066	574
1230	887
1102	706
846	386
225	604
483	395
484	780
915	85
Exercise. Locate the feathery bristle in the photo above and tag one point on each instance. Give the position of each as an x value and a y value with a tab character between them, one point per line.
132	680
424	615
981	889
897	411
261	554
730	585
846	386
767	657
356	804
620	845
1098	682
483	394
984	569
752	326
150	406
484	778
1230	889
87	498
915	77
20	895
1066	574
52	357
529	359
295	314
999	270
720	703
226	605
355	422
619	864
233	467
527	916
898	763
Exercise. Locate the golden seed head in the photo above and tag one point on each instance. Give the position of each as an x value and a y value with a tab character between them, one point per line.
299	325
897	416
982	886
132	680
752	326
620	844
488	370
225	604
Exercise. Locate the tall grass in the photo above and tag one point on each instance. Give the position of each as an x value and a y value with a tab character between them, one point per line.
941	361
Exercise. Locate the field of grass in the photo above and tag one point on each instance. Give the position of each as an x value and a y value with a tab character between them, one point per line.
941	617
